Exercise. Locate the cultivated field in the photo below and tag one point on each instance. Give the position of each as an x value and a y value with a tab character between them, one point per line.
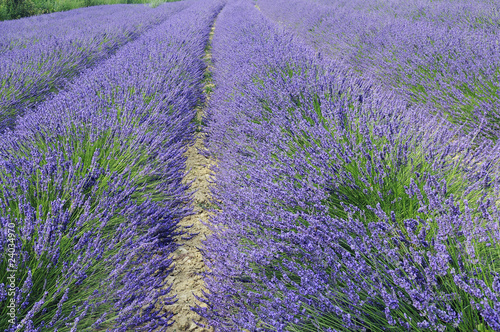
252	165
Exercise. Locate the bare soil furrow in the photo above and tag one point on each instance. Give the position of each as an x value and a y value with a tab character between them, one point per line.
186	277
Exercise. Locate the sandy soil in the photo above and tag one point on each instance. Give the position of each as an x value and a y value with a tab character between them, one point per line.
188	259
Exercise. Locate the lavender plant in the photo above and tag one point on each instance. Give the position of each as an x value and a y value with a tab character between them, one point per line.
25	32
92	187
46	65
442	55
343	207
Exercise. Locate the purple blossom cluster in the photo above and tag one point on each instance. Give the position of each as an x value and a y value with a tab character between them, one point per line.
342	206
41	56
91	183
440	54
31	30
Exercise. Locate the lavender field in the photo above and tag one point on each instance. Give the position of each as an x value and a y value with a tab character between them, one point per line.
252	165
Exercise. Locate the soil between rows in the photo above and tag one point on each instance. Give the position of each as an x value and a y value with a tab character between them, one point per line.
186	276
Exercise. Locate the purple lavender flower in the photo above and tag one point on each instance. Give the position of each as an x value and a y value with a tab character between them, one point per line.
41	56
316	229
92	183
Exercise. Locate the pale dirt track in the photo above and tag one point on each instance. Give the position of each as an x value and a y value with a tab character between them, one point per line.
188	260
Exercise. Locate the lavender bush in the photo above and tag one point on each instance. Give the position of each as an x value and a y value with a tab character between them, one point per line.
61	49
24	32
342	206
91	187
442	55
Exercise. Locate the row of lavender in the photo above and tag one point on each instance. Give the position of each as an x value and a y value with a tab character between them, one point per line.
91	187
443	55
342	208
61	48
23	32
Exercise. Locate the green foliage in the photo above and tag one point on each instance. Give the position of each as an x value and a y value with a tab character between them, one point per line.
432	86
367	189
111	152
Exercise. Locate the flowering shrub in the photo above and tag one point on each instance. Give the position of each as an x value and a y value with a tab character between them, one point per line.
91	187
342	206
41	56
442	55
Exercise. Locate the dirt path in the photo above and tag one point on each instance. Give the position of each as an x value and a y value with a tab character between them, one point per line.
188	259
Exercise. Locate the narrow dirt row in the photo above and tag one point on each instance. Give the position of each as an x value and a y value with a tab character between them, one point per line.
188	260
